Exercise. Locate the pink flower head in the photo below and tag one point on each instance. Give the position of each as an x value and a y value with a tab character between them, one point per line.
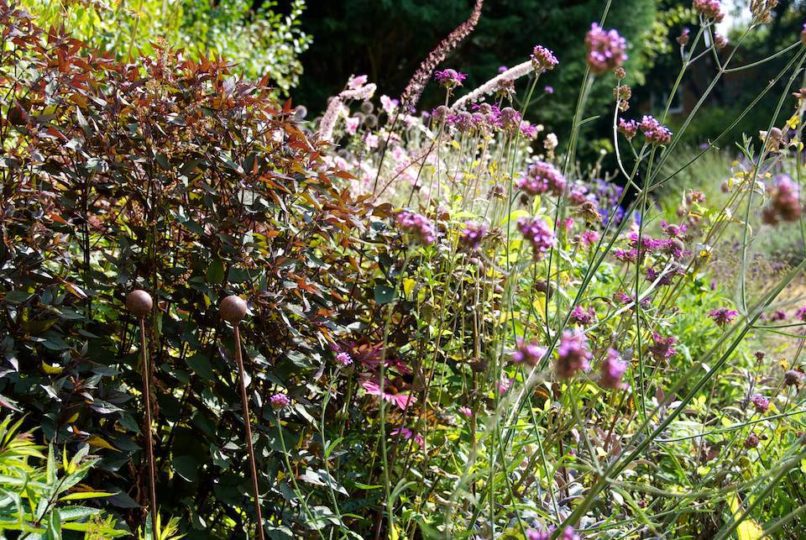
542	177
418	226
537	232
399	399
760	403
528	130
607	50
709	9
466	412
662	348
472	235
589	238
784	202
344	359
534	534
504	385
582	316
573	354
751	441
449	78
613	369
543	59
628	128
800	313
653	131
723	316
673	231
528	352
279	401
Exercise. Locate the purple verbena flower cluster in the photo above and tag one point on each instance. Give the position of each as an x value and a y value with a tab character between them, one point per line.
654	131
662	348
279	401
344	359
543	59
472	235
628	128
784	202
538	233
527	352
542	177
582	316
613	369
723	316
418	226
607	50
751	441
573	354
760	403
709	9
449	78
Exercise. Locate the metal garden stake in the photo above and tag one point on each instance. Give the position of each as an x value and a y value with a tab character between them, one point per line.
233	309
139	303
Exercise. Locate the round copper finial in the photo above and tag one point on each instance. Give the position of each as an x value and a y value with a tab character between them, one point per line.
233	309
139	302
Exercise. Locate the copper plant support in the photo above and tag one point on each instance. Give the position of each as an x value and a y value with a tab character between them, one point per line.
140	304
233	309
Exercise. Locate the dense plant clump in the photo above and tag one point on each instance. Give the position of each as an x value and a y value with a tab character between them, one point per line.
450	326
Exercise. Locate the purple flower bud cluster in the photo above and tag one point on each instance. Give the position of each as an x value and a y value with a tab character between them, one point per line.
784	202
472	235
751	441
543	59
539	234
654	131
279	401
662	348
613	369
628	128
709	9
510	119
418	226
527	352
542	177
800	313
723	316
607	50
449	78
582	316
793	377
760	403
344	359
573	354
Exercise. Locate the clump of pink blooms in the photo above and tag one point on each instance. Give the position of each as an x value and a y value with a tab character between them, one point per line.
467	412
589	237
543	59
784	202
527	352
723	316
449	78
628	128
472	235
613	369
654	131
542	177
751	441
409	435
662	348
709	9
573	354
800	313
760	403
538	234
607	50
279	401
579	315
344	359
418	226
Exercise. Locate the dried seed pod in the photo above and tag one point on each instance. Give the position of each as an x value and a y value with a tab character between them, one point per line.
233	309
139	303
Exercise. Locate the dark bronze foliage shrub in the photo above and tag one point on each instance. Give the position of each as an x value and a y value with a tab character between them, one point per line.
172	176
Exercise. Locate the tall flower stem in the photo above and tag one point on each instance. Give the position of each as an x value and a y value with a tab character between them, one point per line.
248	431
152	477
